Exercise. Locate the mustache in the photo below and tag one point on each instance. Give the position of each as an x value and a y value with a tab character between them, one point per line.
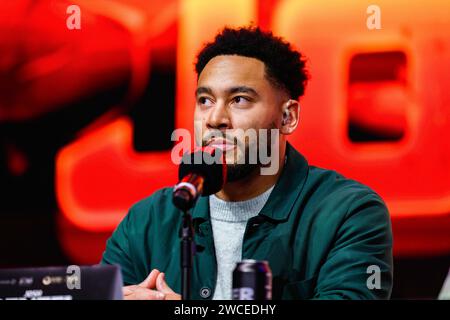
217	134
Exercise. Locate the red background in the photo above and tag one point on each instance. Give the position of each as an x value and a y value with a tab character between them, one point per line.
86	115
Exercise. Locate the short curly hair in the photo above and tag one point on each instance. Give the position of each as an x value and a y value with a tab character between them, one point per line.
285	67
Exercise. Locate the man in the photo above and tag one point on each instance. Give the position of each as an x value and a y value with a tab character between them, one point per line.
324	236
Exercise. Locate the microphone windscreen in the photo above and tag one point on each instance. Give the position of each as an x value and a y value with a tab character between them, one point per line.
208	163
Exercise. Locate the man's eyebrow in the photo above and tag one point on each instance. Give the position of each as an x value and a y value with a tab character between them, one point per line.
233	90
242	89
201	90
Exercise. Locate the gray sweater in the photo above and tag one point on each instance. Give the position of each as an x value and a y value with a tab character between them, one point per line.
229	220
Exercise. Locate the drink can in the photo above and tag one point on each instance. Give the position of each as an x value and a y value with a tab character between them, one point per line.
252	280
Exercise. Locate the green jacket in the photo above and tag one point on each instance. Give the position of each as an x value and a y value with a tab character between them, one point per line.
324	236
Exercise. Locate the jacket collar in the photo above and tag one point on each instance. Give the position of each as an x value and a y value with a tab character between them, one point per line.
288	187
283	196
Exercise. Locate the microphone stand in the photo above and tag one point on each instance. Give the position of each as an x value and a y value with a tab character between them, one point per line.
187	254
184	196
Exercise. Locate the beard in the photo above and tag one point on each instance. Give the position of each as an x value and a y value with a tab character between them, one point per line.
239	171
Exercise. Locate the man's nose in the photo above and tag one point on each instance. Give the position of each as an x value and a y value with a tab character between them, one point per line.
218	117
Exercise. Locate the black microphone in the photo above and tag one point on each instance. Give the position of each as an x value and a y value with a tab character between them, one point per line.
200	173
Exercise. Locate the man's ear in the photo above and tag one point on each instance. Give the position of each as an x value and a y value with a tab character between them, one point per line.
290	117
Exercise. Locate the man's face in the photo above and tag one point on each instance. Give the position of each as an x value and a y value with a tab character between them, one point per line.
233	93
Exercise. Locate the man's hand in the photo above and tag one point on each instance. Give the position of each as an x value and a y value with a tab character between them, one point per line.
152	288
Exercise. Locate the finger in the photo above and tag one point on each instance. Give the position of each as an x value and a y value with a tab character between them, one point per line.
173	296
150	281
145	294
128	290
161	284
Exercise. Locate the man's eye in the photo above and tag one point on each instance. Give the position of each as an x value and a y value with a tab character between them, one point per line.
204	101
240	99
